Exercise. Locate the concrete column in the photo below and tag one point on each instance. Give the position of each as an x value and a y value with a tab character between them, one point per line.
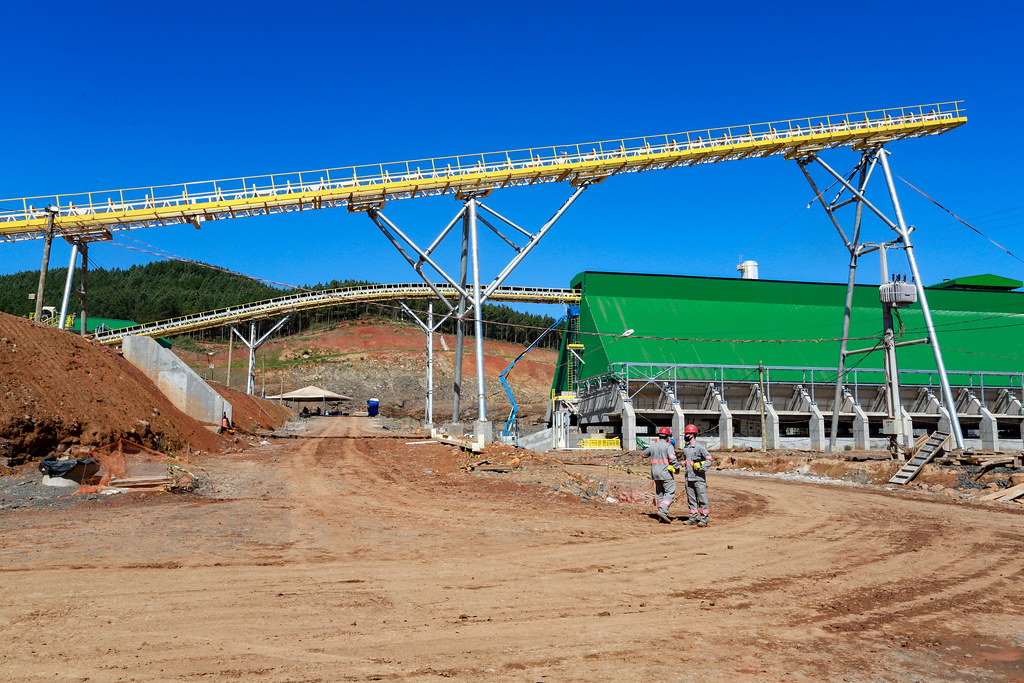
861	433
989	431
725	429
969	404
945	424
483	430
816	429
1011	405
772	436
908	428
678	418
678	423
929	403
628	423
560	428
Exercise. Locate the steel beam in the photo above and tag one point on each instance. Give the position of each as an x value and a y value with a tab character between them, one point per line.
61	324
459	330
478	323
904	233
469	299
253	343
429	328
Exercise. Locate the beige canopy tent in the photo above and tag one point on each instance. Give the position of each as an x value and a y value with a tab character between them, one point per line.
311	394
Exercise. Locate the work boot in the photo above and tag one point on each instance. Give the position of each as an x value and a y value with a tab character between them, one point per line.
662	517
691	521
702	523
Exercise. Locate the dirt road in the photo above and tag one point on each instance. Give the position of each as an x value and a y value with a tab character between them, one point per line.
339	557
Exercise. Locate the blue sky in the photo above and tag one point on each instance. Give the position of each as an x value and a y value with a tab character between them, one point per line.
109	95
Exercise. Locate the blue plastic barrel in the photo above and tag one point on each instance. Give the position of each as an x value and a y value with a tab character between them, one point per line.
372	406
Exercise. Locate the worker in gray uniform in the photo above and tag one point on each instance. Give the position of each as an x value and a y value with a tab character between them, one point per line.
663	466
697	461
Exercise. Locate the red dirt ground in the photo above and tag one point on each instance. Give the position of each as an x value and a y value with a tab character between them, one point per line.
350	554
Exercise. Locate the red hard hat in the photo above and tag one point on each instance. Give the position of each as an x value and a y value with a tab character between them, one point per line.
665	431
691	429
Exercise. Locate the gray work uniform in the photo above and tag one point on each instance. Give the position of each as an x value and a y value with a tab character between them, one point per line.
662	454
696	481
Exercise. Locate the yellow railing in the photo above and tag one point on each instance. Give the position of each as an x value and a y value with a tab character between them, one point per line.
147	206
322	298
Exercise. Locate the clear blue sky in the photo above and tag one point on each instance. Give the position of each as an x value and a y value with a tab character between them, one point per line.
106	95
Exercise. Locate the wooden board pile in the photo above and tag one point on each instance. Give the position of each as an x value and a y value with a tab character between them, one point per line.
124	466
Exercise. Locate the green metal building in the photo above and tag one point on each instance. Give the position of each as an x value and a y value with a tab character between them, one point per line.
695	333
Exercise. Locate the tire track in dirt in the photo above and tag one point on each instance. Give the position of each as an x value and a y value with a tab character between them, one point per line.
405	568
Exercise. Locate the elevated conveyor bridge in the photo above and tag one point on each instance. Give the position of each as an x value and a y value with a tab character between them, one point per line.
86	217
319	299
91	215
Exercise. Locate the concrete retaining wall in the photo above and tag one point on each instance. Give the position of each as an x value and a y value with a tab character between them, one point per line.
186	390
538	441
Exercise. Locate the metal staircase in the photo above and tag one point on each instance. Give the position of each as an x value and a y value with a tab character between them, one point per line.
924	455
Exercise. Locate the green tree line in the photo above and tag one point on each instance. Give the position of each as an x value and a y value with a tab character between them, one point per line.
168	289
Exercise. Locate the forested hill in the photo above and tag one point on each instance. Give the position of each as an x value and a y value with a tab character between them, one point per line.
167	289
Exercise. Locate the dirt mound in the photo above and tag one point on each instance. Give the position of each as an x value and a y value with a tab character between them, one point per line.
251	413
58	390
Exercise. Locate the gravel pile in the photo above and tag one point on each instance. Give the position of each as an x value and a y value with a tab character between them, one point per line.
27	492
965	480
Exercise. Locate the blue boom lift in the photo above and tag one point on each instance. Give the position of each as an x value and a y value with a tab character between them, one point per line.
507	435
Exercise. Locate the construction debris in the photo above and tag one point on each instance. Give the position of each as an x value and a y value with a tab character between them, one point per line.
475	445
124	465
1006	494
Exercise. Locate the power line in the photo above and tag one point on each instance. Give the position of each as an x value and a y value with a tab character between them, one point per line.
979	232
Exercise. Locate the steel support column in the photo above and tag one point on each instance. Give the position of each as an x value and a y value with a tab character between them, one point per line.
853	245
899	226
62	323
429	407
470	255
478	323
429	328
908	248
252	343
83	288
460	331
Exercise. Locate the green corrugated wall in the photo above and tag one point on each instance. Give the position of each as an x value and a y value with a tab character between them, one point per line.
979	331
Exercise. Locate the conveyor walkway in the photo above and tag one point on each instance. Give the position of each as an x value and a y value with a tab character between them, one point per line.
95	214
321	298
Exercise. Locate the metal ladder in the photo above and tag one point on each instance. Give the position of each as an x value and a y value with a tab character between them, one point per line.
925	454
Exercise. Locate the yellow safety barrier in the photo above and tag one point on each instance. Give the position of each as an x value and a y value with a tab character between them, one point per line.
614	444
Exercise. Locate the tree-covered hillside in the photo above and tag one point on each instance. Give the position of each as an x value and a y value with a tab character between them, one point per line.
168	289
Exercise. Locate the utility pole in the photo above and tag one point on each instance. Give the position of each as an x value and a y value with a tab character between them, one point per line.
48	240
